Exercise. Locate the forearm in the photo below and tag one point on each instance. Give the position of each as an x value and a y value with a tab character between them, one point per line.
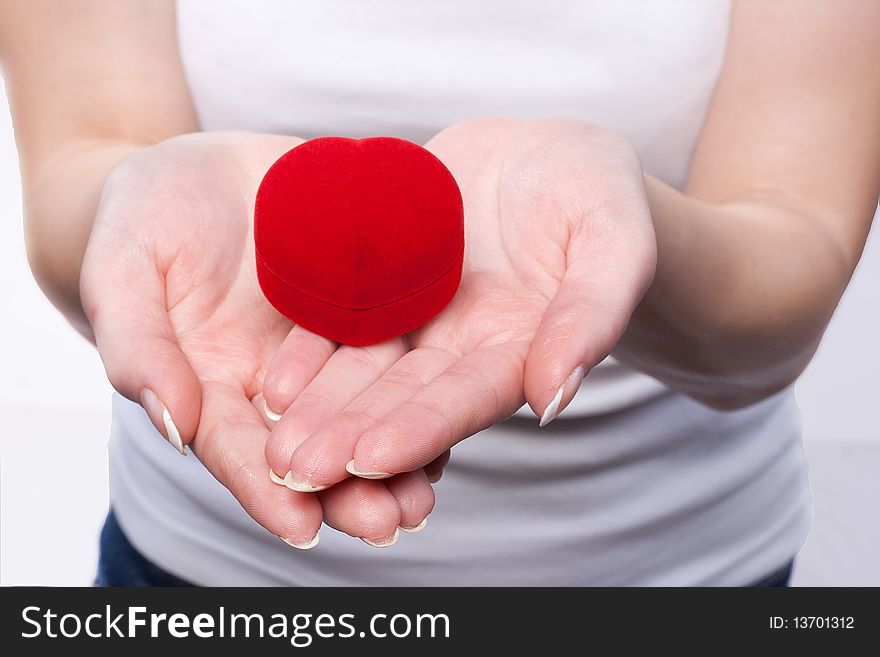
87	86
742	294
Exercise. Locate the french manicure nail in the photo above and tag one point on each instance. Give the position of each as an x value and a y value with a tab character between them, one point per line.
563	396
156	410
272	415
365	475
301	486
415	529
303	546
276	479
385	542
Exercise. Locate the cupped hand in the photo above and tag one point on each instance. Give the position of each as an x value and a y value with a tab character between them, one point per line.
169	285
559	250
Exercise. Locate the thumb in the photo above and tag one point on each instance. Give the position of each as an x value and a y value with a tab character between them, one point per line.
127	308
610	265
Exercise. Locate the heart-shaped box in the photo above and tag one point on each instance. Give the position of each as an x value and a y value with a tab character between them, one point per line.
359	240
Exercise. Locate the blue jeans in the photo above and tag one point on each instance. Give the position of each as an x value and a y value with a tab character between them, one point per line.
120	564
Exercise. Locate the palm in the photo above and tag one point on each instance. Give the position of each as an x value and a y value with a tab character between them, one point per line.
223	324
557	231
513	260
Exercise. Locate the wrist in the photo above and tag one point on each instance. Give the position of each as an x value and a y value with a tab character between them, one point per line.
742	294
60	203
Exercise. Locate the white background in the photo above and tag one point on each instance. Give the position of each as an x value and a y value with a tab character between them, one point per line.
55	401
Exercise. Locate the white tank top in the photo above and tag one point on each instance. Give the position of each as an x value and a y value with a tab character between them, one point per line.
634	484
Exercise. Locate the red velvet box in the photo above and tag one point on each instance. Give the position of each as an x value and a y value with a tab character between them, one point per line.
359	240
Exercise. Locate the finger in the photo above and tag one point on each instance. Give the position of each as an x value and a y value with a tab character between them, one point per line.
299	358
478	390
321	458
415	497
230	443
608	270
364	509
347	373
434	470
259	404
138	345
413	493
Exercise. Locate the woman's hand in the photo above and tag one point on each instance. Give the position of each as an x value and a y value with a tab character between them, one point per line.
169	286
559	250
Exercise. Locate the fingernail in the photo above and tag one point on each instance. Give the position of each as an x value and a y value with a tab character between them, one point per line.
416	528
276	479
303	546
385	542
365	475
156	410
272	415
563	396
434	478
301	486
